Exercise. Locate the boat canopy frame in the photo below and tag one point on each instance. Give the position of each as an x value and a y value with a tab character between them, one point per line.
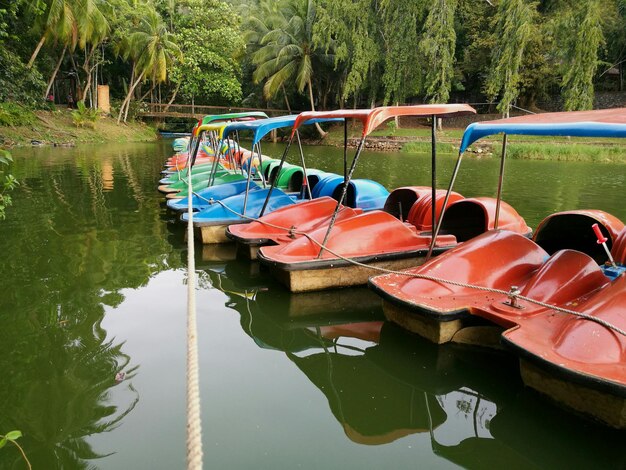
370	120
260	128
608	123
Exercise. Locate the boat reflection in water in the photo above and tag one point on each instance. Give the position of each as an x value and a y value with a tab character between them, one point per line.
383	383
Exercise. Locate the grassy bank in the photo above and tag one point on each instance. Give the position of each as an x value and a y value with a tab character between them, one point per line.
20	127
417	140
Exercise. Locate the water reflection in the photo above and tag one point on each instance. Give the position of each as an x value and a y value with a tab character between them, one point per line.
87	232
383	384
66	259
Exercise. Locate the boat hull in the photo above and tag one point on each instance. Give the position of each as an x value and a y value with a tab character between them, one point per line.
605	407
331	274
211	234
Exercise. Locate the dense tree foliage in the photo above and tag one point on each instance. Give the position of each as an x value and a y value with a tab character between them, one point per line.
312	54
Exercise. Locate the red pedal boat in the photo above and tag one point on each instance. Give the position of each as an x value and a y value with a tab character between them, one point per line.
316	248
557	301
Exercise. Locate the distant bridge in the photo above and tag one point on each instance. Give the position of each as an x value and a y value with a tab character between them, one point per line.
191	111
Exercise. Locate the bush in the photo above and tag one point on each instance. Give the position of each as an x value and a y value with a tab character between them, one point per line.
18	83
12	114
84	116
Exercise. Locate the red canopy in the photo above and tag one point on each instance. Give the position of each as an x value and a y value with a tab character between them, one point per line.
372	118
613	116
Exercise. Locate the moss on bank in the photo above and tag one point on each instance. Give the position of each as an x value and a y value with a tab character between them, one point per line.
57	128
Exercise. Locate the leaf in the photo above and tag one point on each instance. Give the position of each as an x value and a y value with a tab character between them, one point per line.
3	442
13	435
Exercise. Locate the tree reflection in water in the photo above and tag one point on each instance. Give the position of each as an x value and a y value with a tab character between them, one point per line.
73	241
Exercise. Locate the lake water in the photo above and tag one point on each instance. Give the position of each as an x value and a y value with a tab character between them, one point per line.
93	285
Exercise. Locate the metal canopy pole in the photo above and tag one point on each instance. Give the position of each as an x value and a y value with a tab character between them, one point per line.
500	181
433	175
345	149
245	198
263	182
443	208
275	180
232	157
343	194
191	160
305	181
216	160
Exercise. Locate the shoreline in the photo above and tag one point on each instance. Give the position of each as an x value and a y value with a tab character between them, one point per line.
417	140
57	129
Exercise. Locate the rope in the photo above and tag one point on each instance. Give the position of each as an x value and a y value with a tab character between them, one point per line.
194	426
514	295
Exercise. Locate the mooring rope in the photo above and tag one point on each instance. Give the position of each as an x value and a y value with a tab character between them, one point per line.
194	425
511	294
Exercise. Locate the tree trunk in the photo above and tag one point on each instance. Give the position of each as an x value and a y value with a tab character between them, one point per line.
126	102
36	52
169	103
54	73
89	73
286	99
396	118
149	92
319	129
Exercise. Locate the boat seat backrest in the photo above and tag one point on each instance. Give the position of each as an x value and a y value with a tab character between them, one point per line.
421	213
572	231
326	185
295	181
350	199
576	275
403	199
465	219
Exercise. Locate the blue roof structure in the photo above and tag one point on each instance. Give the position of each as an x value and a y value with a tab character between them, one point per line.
599	123
263	127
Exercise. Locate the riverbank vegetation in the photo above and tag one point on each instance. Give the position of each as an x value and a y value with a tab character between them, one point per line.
59	128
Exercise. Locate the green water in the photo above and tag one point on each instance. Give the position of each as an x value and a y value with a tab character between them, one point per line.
93	284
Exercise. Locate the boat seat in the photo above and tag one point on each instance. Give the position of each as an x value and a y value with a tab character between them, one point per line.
465	219
576	274
350	199
572	231
404	198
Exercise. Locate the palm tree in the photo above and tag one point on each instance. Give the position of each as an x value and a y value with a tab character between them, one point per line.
287	53
72	22
152	51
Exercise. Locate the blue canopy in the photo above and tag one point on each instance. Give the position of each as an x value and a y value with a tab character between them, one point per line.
599	123
263	127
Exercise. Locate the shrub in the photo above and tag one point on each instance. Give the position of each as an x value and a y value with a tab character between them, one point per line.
84	116
13	114
19	83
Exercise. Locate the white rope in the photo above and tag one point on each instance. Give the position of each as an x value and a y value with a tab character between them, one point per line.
194	425
512	295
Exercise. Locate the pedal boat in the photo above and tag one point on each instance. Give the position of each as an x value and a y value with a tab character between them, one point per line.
210	223
182	146
573	360
395	238
285	224
225	161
